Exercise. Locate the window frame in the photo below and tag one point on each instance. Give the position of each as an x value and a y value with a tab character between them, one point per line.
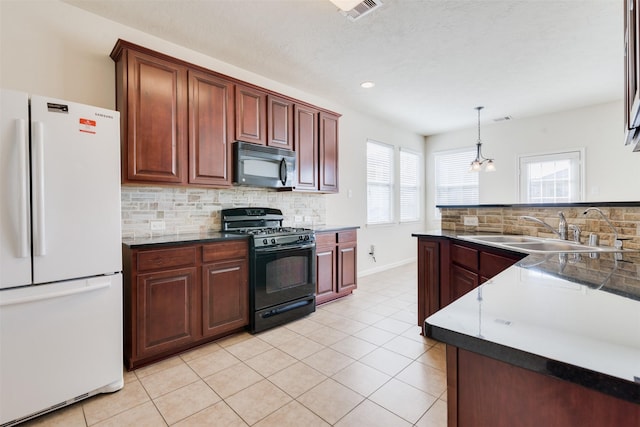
567	154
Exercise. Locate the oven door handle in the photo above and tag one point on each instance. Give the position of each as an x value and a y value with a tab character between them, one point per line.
273	249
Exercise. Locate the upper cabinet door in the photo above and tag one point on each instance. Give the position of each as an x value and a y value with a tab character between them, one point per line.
155	120
251	115
279	122
328	152
306	147
210	129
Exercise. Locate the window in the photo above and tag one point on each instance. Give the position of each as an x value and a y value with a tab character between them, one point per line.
409	186
455	185
379	183
551	178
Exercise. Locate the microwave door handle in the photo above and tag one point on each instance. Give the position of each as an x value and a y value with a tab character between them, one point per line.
283	171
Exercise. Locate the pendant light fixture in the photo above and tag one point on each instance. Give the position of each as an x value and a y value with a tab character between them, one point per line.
481	162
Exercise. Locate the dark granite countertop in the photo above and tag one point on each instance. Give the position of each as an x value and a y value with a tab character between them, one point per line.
572	316
175	239
323	228
206	237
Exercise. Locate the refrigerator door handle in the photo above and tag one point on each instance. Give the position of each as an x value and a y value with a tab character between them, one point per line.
40	247
23	208
91	285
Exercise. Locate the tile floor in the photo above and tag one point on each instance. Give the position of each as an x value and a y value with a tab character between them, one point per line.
358	361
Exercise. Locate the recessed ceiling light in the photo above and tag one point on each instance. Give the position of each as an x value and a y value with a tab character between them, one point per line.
367	85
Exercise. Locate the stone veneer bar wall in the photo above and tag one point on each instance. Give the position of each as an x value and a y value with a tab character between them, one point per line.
194	210
507	220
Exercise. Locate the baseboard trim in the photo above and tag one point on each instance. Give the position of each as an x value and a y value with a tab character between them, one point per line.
386	267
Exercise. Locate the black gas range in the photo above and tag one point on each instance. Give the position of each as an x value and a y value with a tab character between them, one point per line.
282	266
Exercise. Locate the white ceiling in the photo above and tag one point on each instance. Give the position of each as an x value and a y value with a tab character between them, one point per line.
432	61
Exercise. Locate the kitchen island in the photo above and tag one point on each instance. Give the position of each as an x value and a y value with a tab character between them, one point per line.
553	340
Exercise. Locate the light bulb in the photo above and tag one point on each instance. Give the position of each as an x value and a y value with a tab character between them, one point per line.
491	167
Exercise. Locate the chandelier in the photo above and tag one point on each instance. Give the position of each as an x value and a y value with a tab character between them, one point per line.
481	162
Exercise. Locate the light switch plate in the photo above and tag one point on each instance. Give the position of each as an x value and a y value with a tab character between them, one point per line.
156	225
471	220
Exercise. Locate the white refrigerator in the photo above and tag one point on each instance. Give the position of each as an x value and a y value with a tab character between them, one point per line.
60	254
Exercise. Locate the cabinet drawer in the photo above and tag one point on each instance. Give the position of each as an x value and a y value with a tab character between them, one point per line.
492	264
467	257
325	238
225	250
347	236
164	258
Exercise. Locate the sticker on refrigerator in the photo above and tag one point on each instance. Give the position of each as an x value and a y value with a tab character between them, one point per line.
87	126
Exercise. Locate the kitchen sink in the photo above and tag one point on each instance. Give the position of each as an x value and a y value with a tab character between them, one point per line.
503	238
533	245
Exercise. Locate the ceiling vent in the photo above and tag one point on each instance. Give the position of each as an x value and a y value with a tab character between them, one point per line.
363	8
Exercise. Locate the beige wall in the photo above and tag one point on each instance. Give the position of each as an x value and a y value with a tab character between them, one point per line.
612	170
54	49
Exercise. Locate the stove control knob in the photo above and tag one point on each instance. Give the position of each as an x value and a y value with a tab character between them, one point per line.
300	237
273	241
265	241
306	237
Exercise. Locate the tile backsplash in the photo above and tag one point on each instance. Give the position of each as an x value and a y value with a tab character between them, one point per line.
193	210
507	220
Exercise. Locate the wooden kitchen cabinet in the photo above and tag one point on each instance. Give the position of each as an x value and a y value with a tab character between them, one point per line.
151	95
306	147
449	268
179	121
326	267
279	122
176	120
484	391
336	264
179	297
347	261
316	146
462	281
328	149
251	115
210	129
225	288
166	315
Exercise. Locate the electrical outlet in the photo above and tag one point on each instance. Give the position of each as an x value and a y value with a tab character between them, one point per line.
372	251
471	220
156	225
307	218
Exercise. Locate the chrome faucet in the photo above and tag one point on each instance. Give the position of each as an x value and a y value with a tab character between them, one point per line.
576	232
563	228
617	243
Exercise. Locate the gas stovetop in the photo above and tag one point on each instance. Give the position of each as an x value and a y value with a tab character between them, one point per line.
265	225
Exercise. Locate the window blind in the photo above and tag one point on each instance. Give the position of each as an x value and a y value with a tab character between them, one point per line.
454	184
409	186
379	183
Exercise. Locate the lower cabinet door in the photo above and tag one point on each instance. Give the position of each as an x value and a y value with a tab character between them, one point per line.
168	310
326	277
462	281
348	273
225	296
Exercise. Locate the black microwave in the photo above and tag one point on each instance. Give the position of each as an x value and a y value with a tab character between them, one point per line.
262	166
